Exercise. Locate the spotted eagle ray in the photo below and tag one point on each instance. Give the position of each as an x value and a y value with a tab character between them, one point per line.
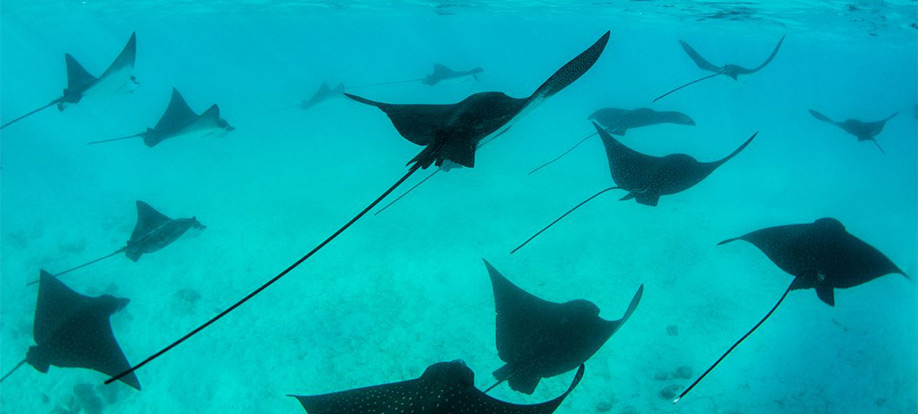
645	177
452	132
821	255
152	232
179	120
619	121
442	73
731	70
73	331
540	339
444	388
118	78
864	131
448	132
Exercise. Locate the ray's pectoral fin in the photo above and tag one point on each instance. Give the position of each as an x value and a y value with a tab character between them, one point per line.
826	293
571	71
635	301
78	80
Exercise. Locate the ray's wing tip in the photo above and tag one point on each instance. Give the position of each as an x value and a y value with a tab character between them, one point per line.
492	271
360	99
605	37
728	241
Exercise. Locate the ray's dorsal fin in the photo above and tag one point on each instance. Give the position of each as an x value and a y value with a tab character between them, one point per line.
126	58
147	220
78	78
178	112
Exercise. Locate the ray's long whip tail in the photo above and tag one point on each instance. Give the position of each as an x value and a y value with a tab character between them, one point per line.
414	168
735	344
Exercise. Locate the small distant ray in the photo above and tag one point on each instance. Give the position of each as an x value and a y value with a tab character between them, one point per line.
540	339
73	331
179	120
731	70
444	388
442	73
864	131
152	232
118	78
619	121
448	132
821	255
646	178
324	93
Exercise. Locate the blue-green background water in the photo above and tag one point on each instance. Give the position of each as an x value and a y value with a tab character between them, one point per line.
407	288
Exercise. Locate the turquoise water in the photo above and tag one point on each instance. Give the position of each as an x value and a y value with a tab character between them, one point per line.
405	289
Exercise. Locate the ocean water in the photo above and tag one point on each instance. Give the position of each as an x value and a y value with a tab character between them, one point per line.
407	288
